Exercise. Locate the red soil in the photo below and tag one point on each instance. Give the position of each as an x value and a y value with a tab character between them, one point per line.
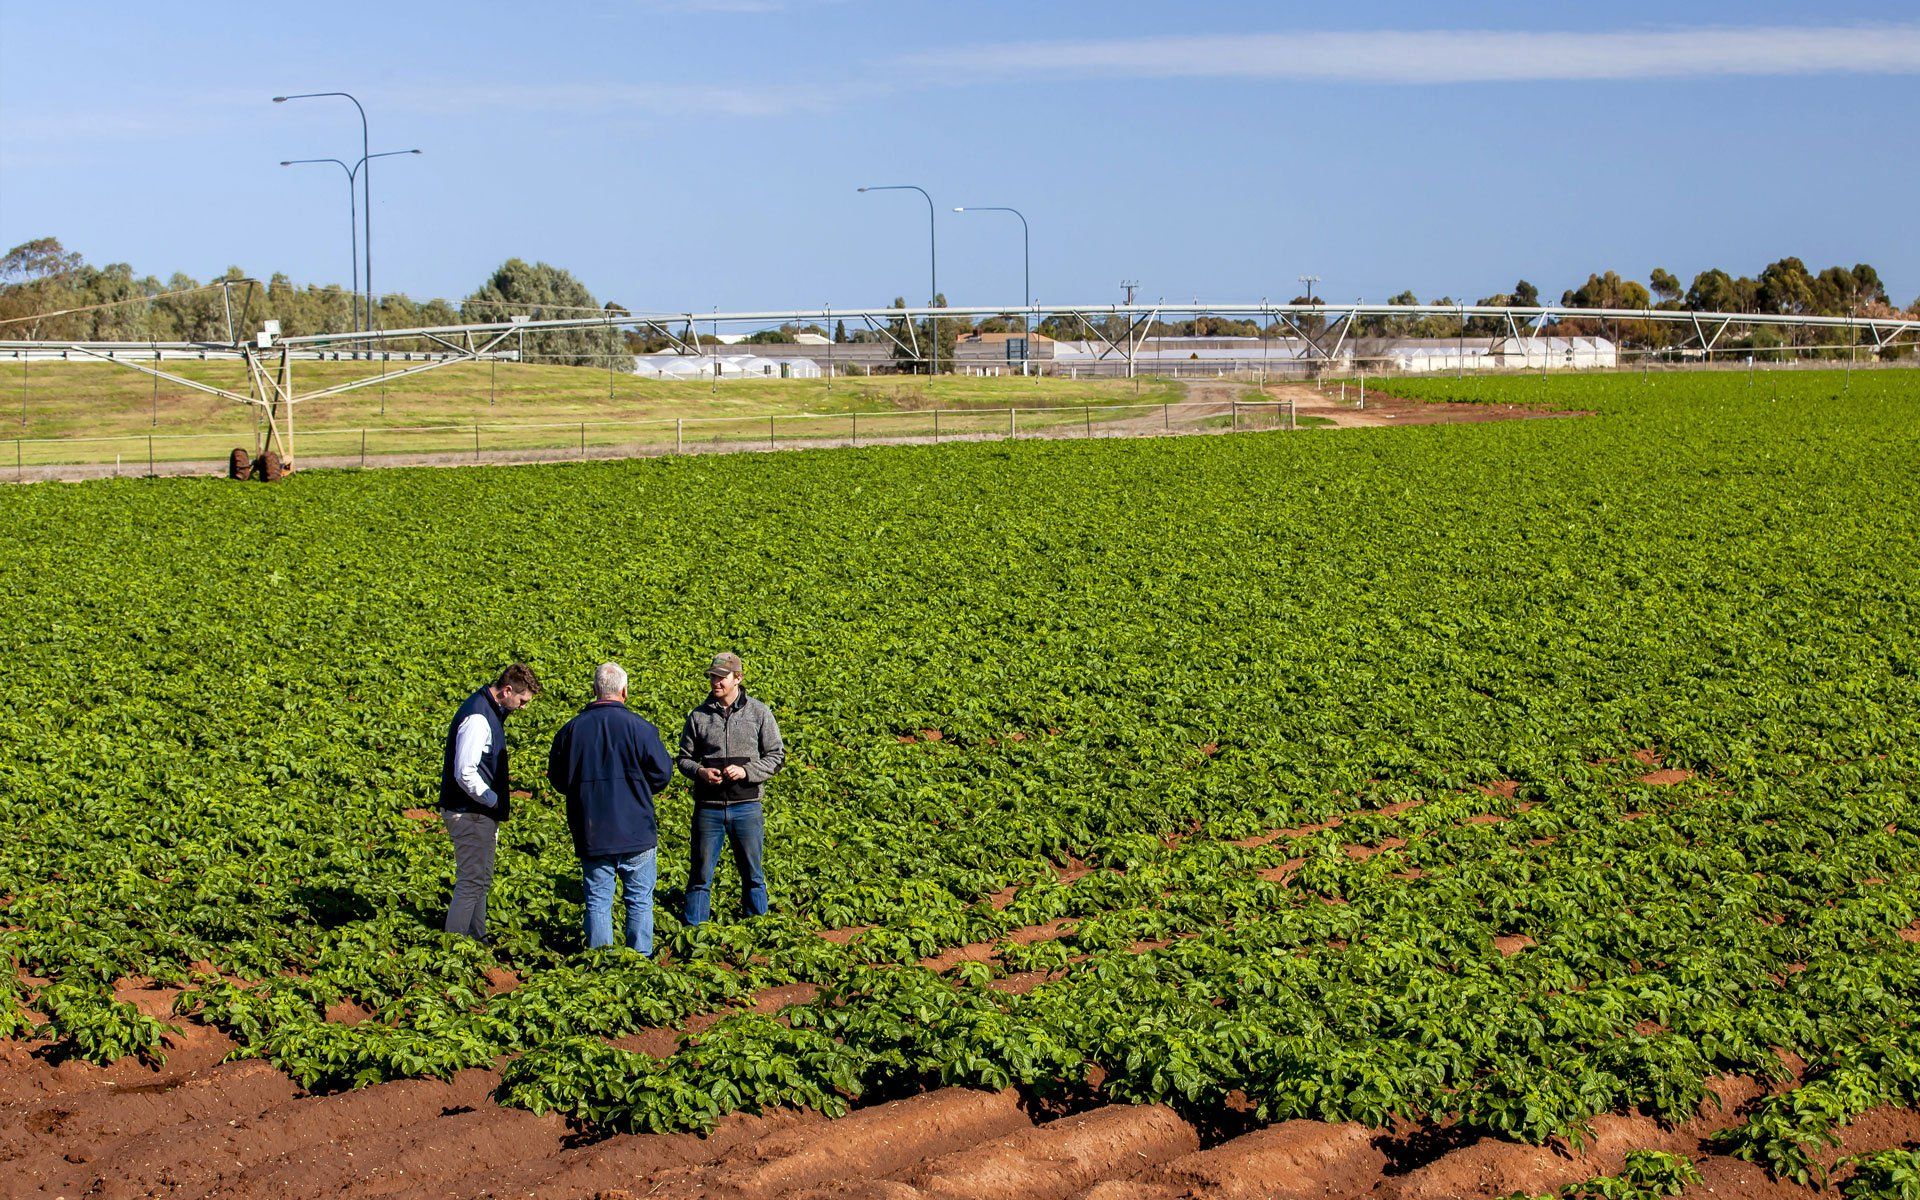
1880	1129
1666	777
1276	874
873	1143
1061	1158
1293	831
198	1128
1361	852
1289	1161
1490	1167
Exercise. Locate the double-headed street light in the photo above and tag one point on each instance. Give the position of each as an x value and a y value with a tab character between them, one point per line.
933	262
1026	258
366	187
352	216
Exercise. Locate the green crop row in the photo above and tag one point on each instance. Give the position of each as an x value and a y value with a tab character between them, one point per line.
226	704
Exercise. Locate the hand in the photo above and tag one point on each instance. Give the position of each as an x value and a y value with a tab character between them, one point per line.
736	772
709	775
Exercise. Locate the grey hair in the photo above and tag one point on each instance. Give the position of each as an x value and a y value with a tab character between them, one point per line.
609	680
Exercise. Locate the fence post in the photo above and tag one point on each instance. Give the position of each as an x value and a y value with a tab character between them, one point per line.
1363	390
1234	424
363	447
150	471
1013	424
1166	418
1089	420
679	434
1292	424
769	433
856	427
936	427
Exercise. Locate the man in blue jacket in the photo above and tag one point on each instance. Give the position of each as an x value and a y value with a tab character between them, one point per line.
609	763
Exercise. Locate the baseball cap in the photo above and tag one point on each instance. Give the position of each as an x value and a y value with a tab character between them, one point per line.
724	663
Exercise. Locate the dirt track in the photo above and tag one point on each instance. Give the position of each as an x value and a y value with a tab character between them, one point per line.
201	1127
1343	407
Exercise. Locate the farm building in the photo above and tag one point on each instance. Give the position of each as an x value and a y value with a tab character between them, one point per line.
1554	352
1003	354
723	366
1200	356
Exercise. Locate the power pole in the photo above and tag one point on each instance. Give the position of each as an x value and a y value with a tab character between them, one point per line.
1129	285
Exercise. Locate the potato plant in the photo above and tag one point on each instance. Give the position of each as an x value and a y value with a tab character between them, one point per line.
1033	685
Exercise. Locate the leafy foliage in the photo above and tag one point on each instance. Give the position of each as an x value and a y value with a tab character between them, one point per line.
86	1024
1648	1174
1885	1175
1135	657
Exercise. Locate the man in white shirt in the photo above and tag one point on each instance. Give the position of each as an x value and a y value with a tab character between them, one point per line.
475	792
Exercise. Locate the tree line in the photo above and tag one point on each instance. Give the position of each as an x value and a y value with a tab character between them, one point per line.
48	292
112	303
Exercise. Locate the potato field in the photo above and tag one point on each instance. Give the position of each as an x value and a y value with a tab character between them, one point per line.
1466	810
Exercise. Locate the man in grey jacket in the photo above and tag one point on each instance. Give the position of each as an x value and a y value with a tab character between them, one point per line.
729	748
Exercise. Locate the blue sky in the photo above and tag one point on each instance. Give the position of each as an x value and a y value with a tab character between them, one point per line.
682	154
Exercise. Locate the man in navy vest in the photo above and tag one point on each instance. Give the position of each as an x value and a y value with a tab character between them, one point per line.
609	763
475	795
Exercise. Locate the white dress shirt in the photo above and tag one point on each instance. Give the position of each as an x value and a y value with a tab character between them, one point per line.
470	744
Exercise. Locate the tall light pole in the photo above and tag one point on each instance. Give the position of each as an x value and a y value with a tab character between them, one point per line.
933	263
366	188
353	234
1026	258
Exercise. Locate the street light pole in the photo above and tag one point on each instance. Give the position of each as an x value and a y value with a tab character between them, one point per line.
933	263
353	224
352	232
366	188
1026	258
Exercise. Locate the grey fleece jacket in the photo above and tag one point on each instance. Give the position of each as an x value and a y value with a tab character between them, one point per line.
744	732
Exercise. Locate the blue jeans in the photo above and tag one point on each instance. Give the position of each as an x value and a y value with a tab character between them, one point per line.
743	825
636	872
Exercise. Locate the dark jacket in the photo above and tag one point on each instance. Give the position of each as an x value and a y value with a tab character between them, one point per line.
743	733
609	763
493	764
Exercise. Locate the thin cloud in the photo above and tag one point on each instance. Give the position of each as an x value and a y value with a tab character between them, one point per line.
1458	56
714	6
729	6
642	100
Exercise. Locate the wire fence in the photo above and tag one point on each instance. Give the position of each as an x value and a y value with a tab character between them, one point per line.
368	446
205	451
